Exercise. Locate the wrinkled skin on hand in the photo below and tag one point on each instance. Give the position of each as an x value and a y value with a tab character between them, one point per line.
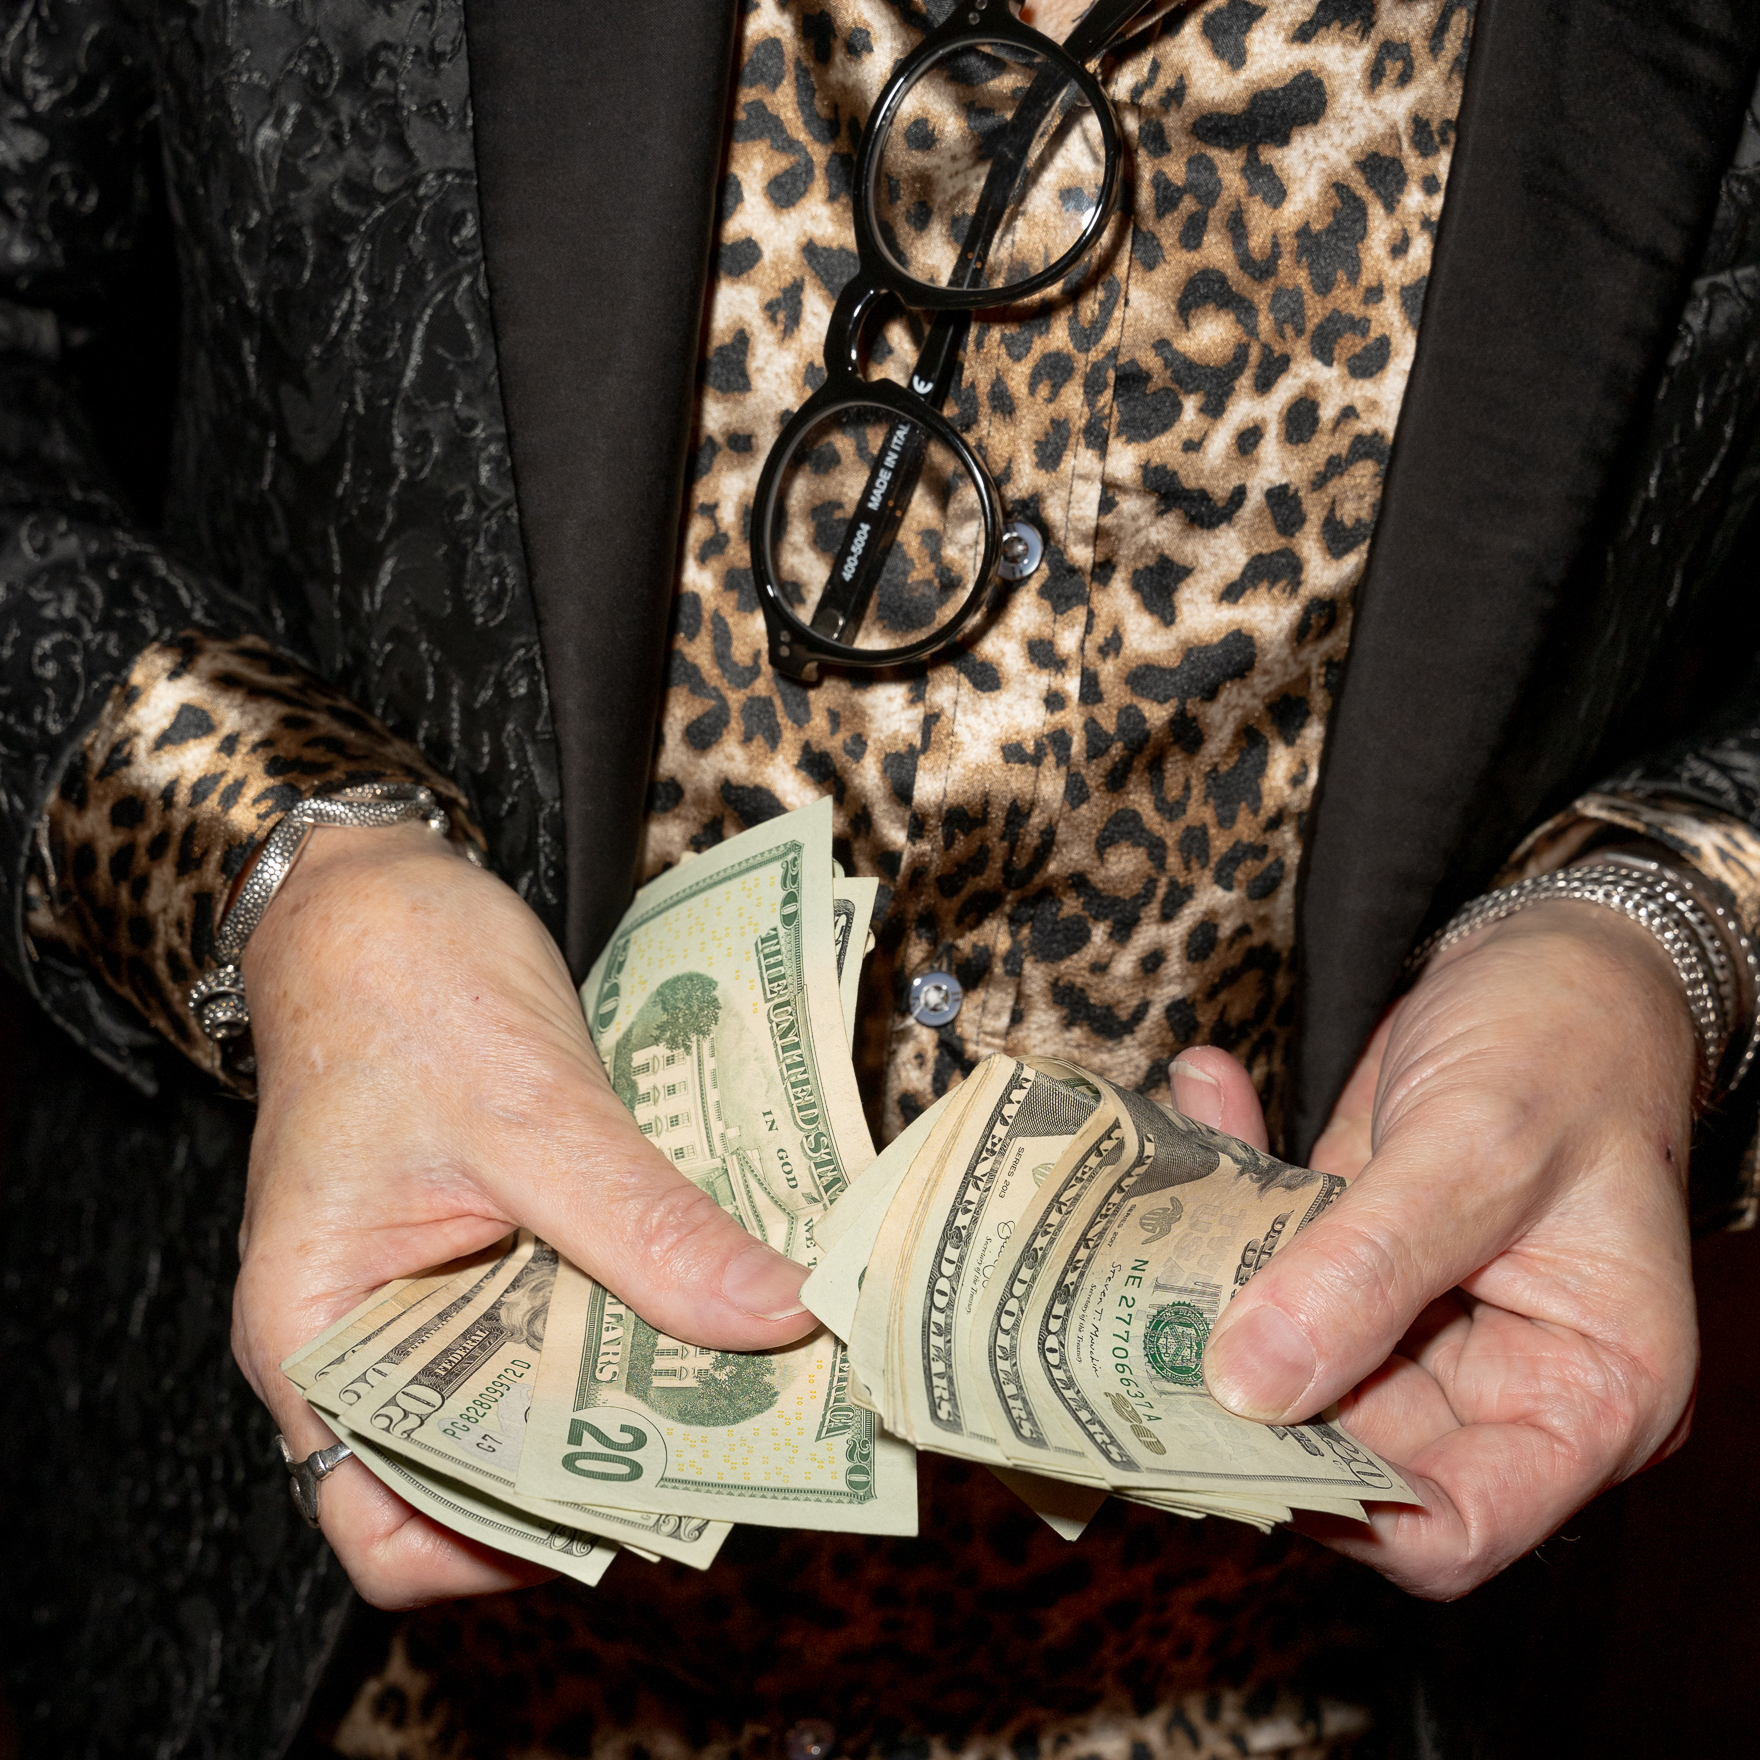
1502	1301
426	1083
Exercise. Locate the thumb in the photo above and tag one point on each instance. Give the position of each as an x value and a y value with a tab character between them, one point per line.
627	1217
1348	1140
1213	1088
1336	1301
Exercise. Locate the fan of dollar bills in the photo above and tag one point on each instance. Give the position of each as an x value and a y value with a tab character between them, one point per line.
1026	1277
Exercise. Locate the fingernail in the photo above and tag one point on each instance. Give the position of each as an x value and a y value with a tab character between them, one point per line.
1197	1094
765	1284
1259	1365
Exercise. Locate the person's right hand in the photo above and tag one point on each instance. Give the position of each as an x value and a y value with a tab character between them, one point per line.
426	1084
1501	1302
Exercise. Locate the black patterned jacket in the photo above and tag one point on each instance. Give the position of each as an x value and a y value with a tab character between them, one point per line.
438	267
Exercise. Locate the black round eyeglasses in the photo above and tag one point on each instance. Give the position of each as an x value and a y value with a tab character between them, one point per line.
990	165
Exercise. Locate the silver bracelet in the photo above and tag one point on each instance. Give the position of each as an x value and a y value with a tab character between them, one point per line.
217	998
1658	902
1732	952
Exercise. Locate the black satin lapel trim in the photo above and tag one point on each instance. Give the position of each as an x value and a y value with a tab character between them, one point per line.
598	137
1592	138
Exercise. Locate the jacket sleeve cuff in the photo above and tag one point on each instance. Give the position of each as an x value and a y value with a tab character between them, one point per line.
1725	850
197	754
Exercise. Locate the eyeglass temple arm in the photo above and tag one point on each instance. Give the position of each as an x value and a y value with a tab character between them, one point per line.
892	481
1100	25
869	535
1093	33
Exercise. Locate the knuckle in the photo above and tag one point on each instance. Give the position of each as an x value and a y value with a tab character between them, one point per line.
381	1556
1443	1557
677	1226
1623	1410
378	1597
1361	1272
377	1584
248	1349
1647	1414
1491	1540
1677	1436
1457	1580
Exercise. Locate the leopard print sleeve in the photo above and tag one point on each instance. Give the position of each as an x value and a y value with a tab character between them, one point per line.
197	754
1721	847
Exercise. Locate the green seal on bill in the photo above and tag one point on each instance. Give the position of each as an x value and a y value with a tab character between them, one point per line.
1174	1344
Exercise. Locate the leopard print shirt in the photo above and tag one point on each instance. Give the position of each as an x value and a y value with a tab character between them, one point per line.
1091	815
1092	812
196	756
986	1637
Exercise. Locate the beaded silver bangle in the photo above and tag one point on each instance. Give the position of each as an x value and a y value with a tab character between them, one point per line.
1732	952
1705	949
217	998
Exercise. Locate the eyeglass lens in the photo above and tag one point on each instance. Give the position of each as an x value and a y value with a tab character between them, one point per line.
990	171
877	534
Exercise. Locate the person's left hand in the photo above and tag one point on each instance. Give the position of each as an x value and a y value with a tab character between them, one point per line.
1502	1302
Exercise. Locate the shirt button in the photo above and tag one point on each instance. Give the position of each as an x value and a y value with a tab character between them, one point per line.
935	998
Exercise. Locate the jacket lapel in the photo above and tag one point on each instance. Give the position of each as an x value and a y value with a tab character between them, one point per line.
598	133
1486	660
1592	135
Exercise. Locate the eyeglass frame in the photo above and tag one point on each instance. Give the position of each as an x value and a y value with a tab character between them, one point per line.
797	648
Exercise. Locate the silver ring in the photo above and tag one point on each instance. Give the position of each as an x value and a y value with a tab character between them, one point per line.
304	1477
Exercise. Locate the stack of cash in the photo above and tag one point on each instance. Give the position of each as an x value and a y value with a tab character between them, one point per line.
1025	1278
430	1384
